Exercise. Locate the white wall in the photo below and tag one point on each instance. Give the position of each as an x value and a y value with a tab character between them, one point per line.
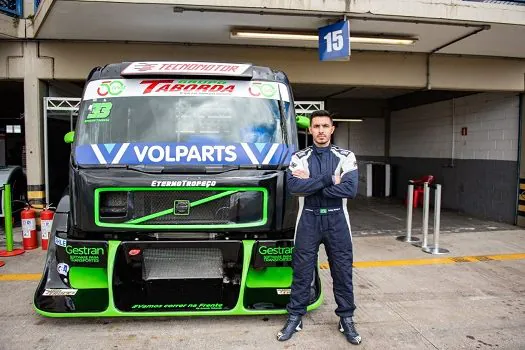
426	131
366	138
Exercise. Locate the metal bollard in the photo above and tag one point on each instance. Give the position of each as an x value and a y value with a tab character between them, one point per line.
435	249
410	203
8	224
426	202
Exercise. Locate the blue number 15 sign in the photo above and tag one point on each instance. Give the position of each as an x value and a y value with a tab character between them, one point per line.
334	41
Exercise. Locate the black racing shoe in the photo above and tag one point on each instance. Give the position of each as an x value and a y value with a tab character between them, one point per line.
346	326
293	324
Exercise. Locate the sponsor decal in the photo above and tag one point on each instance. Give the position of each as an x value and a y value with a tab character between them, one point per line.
84	254
59	292
273	253
105	89
267	89
201	306
99	112
81	253
276	254
183	183
60	241
185	67
111	88
173	86
284	291
184	154
63	269
181	207
504	2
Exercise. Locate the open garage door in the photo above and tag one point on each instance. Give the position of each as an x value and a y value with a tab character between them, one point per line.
468	140
306	108
60	114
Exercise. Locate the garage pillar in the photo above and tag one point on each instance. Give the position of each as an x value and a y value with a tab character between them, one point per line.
520	221
34	91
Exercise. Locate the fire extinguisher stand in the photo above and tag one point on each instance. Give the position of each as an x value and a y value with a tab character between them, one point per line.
8	223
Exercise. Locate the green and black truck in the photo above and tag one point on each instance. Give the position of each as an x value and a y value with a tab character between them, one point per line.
177	201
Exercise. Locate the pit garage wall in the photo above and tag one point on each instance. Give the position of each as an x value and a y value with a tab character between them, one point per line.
478	171
366	139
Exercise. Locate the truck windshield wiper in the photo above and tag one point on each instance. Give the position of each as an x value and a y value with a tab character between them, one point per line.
157	169
181	169
198	169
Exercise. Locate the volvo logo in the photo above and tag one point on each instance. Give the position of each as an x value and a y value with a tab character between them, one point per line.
181	207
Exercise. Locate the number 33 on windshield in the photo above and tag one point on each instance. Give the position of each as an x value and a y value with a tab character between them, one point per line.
99	110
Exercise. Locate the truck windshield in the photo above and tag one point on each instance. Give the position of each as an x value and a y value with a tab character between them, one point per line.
181	111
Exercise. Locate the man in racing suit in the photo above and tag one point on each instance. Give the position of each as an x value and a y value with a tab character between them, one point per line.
323	176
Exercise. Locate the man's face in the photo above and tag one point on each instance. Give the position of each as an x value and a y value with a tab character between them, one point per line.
321	129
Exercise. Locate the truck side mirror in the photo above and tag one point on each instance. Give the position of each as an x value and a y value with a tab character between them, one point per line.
302	121
69	137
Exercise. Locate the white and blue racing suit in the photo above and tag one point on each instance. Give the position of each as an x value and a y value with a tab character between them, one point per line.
323	218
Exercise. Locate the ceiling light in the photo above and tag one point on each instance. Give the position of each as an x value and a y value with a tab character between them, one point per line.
347	120
273	35
382	41
311	36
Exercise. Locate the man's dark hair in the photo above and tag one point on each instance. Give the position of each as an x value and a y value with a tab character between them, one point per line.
321	113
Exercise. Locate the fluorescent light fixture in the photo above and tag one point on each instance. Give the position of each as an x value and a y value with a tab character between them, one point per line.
382	41
251	34
347	120
311	36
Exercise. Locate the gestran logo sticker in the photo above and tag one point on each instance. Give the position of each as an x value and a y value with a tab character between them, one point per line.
185	87
276	254
84	254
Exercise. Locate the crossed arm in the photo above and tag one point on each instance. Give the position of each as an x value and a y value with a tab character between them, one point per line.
344	186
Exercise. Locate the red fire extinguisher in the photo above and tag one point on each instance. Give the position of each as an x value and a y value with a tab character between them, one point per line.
46	221
29	235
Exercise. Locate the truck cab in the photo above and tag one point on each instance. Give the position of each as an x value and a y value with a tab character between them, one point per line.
177	201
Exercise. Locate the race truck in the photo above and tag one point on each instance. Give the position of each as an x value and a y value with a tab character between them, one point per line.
177	201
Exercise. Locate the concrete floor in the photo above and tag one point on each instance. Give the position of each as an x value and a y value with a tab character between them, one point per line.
462	305
387	216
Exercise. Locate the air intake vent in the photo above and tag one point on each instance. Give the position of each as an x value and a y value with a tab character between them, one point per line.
182	263
113	204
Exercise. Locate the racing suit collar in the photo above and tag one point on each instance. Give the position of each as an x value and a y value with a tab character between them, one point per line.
318	149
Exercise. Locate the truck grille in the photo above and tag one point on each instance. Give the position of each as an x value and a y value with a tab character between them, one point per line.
174	208
214	212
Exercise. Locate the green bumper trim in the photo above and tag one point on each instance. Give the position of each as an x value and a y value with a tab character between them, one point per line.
269	277
239	309
88	277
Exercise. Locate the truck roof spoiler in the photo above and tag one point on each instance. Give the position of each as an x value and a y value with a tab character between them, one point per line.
190	70
187	69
